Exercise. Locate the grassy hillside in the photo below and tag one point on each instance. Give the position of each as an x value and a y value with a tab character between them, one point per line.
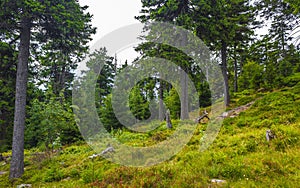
240	154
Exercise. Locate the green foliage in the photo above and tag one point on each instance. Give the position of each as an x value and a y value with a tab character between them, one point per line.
91	174
53	174
138	105
99	60
107	115
295	4
292	80
7	92
56	31
74	173
272	71
60	33
173	103
282	20
251	77
62	39
51	123
204	94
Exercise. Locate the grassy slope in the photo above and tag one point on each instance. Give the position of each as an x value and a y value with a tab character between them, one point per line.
240	154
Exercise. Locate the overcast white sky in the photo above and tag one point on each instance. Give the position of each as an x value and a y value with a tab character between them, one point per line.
110	15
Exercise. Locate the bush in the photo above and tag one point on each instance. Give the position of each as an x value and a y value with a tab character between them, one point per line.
51	122
53	174
292	80
74	173
250	79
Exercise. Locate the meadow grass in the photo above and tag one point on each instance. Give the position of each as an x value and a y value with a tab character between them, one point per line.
240	154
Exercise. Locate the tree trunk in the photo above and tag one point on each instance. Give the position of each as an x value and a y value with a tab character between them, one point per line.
282	39
235	71
184	112
55	78
62	82
224	72
17	161
184	103
161	104
62	78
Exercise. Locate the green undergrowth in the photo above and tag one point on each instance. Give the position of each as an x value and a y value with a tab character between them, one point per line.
240	155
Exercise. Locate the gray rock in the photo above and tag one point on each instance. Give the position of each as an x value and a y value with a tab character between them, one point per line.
217	181
24	186
107	150
269	135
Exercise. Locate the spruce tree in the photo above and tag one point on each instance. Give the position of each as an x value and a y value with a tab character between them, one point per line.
38	22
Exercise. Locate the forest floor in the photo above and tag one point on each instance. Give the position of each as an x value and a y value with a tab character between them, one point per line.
240	155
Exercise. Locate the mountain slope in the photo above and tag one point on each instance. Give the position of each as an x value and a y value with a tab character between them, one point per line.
240	155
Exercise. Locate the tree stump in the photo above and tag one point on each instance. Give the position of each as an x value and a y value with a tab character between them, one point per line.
168	119
204	115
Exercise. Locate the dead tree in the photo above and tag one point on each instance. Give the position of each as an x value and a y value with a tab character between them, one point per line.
204	115
168	119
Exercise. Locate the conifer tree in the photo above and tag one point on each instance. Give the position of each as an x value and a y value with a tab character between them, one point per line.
39	22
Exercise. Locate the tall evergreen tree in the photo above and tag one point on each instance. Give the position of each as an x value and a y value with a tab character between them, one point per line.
106	75
175	12
222	25
107	115
38	22
138	104
282	19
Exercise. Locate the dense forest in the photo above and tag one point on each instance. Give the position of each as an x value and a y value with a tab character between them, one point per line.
43	41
